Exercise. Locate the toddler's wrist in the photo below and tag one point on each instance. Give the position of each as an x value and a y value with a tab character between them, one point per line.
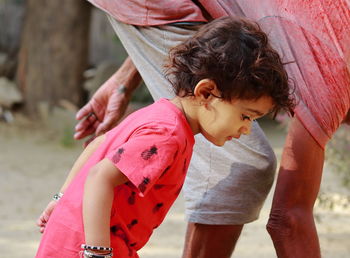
96	251
93	254
57	196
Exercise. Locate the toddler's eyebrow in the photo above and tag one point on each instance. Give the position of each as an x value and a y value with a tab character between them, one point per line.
257	112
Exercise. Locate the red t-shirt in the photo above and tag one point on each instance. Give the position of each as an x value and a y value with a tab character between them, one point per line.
153	148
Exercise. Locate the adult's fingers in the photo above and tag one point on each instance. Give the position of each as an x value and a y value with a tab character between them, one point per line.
89	120
86	131
84	111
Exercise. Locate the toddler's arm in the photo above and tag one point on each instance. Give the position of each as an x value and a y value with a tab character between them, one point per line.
97	201
45	215
79	163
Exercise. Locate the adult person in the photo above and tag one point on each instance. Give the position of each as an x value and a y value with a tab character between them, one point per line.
315	36
224	189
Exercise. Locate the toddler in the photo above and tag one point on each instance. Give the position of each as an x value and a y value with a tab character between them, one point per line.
123	184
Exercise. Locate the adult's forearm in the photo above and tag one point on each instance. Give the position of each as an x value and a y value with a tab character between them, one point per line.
126	76
130	76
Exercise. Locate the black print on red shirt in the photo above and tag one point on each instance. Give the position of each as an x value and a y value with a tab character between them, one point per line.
117	155
118	231
157	207
144	184
131	199
132	223
158	186
164	172
147	154
115	229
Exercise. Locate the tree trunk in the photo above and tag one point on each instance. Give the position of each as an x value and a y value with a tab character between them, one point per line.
54	52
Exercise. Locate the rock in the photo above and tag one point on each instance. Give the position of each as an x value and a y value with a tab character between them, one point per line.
9	94
6	115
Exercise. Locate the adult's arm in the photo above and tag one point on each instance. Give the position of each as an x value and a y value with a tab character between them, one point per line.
291	224
109	102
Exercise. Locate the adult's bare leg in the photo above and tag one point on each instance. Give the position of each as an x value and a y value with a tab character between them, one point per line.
208	241
291	224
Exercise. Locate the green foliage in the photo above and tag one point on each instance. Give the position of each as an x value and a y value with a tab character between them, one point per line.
338	153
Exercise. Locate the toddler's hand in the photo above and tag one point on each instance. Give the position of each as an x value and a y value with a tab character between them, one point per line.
44	217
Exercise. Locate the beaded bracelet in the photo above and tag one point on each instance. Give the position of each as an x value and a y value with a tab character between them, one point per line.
98	248
57	196
88	254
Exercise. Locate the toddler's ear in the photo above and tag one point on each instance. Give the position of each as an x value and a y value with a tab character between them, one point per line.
205	89
206	95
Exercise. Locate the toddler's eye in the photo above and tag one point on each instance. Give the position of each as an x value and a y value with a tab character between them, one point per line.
244	117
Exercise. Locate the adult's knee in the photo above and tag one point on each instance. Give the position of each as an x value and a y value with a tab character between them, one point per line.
293	233
282	224
286	224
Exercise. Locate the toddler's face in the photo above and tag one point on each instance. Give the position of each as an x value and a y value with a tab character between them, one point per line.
221	121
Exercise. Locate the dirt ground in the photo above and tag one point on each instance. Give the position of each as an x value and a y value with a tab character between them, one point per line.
34	163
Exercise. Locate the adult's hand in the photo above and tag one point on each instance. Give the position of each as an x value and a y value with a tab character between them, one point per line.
102	112
109	103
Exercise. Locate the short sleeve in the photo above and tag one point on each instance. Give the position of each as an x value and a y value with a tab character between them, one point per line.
145	156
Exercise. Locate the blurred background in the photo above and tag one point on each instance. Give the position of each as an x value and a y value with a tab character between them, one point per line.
53	56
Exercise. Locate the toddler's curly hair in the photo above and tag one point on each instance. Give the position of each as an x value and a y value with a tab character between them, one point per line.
235	53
